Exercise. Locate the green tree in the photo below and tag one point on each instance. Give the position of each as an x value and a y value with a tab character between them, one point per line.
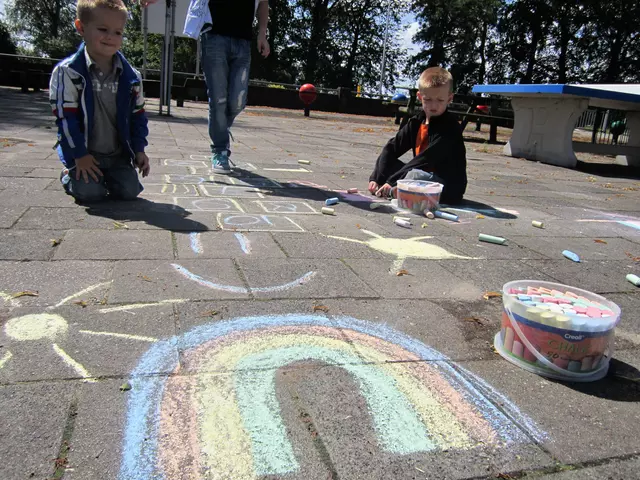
7	45
455	35
46	24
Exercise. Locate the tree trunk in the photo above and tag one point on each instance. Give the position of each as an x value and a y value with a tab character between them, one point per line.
55	21
483	53
532	56
318	21
613	68
564	47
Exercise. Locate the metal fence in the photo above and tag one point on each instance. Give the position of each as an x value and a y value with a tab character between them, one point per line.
606	126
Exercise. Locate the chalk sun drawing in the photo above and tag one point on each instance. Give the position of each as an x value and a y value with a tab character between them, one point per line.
53	327
227	422
404	248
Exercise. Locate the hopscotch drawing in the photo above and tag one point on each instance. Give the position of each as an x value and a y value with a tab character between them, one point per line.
286	206
257	223
208	204
230	425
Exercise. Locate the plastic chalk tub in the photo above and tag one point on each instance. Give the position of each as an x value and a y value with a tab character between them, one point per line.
556	330
418	195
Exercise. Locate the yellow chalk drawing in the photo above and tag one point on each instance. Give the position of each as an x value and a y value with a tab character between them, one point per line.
404	248
36	327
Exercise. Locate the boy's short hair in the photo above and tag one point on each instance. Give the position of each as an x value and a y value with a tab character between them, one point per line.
435	77
85	8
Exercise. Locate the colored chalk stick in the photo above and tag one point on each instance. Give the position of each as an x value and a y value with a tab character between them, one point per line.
402	222
580	309
491	239
537	224
304	162
574	366
544	290
633	279
352	190
331	201
446	216
587	364
430	215
522	297
328	211
607	313
548	318
571	256
562	321
594	312
517	349
508	339
529	356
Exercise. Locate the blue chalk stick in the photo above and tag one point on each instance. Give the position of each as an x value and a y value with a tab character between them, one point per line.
446	216
331	201
571	256
524	297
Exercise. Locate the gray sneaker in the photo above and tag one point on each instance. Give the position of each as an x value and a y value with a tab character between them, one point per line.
220	162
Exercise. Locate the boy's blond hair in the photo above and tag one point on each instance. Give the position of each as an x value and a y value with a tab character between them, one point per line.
435	77
85	8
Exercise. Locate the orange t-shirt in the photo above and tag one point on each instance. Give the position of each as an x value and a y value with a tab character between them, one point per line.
422	140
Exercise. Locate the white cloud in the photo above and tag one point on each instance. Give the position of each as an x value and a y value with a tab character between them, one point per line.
407	38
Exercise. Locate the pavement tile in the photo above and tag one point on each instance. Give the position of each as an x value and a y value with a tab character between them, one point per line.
599	276
30	198
115	245
33	421
29	244
598	419
322	246
302	278
425	279
9	215
54	218
188	279
611	470
104	342
20	183
228	245
586	248
53	281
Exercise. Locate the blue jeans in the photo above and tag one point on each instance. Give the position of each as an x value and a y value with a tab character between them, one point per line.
225	62
120	182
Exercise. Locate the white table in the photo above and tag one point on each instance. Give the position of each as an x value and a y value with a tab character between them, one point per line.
545	117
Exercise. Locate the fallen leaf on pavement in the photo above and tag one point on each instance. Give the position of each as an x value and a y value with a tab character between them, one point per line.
125	387
210	313
401	273
597	240
358	226
26	293
144	277
320	308
480	217
489	295
478	320
82	303
55	242
425	225
120	225
635	259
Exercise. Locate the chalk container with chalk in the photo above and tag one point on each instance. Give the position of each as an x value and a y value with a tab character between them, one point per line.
418	195
556	330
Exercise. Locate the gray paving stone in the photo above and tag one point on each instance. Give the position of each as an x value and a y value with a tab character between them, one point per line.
29	244
425	279
24	184
53	281
33	421
586	248
34	198
9	215
53	218
612	470
200	280
105	340
115	245
227	245
599	276
302	278
598	418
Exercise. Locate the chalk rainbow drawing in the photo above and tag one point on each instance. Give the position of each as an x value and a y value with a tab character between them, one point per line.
226	420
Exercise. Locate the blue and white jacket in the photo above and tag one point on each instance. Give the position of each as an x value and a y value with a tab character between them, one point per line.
71	98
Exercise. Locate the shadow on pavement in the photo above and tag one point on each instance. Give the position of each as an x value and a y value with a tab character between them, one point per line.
621	384
162	215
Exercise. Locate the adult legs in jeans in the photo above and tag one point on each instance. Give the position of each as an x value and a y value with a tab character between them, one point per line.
225	63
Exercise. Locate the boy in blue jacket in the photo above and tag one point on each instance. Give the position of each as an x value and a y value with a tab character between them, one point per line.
97	99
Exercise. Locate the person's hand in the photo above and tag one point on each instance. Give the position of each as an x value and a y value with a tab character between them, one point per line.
373	188
86	167
384	190
142	161
263	45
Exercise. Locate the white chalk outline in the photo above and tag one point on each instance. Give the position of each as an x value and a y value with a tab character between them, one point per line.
5	358
196	200
203	179
294	170
270	183
136	306
204	190
261	219
80	293
261	204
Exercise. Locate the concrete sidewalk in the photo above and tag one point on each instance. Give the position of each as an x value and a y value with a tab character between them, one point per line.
223	328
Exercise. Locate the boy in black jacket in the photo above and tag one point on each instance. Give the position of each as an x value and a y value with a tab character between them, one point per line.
435	137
